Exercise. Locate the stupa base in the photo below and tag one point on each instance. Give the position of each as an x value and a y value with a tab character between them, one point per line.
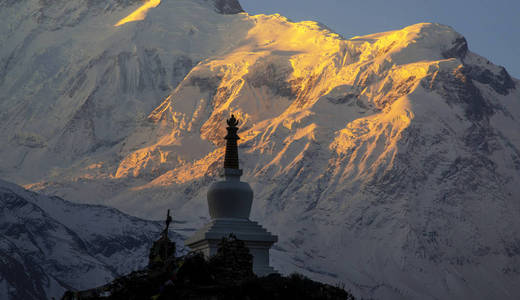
257	239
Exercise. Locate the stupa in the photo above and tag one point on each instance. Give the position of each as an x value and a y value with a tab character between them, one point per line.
229	203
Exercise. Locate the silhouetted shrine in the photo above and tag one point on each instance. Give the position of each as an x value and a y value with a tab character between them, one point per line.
229	203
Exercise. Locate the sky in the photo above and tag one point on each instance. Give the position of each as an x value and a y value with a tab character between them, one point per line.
492	28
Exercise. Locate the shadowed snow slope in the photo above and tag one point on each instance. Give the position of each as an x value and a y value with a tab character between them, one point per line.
389	162
49	245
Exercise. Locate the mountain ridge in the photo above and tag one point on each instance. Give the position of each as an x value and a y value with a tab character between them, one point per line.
49	245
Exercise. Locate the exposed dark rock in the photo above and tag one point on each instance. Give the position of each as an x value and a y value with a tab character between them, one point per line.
80	130
223	93
342	100
386	49
501	82
29	140
342	94
396	91
181	67
458	50
512	247
7	3
206	84
480	137
458	88
477	107
227	7
27	279
300	88
152	72
274	78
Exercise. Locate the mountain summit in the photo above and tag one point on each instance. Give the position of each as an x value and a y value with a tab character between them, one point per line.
389	162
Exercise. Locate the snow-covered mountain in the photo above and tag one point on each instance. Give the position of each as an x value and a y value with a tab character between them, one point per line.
389	162
49	245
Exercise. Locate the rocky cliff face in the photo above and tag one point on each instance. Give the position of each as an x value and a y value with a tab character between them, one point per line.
389	161
227	7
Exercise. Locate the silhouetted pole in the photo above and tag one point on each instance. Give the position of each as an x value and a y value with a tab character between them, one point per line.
165	234
168	221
